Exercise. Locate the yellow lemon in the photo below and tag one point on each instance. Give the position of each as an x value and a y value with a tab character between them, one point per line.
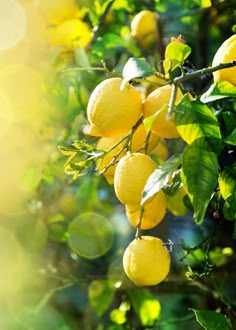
57	11
161	150
131	175
146	261
143	24
106	144
226	53
139	139
70	34
112	112
153	212
159	100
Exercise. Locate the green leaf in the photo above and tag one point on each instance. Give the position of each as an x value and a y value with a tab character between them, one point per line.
90	235
195	120
147	122
101	293
176	52
219	90
160	177
146	306
67	151
231	139
211	320
227	181
199	176
229	209
136	68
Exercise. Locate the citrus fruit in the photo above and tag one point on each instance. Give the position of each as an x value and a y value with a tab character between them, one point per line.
226	53
139	139
56	11
143	24
106	144
146	261
70	34
159	100
112	112
153	212
161	150
131	175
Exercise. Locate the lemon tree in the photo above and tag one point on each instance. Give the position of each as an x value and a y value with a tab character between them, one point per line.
134	208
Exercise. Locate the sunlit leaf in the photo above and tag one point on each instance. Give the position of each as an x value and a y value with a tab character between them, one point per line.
195	120
199	176
211	320
146	306
229	209
136	68
219	90
160	177
101	293
176	52
67	151
90	235
227	181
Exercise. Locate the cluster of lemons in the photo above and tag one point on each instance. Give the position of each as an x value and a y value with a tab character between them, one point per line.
115	114
66	29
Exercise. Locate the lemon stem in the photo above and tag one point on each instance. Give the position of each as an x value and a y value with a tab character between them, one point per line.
138	231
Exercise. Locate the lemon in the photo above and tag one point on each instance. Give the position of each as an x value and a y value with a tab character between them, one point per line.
139	138
131	175
161	150
153	212
106	144
143	24
57	11
159	100
146	261
226	53
112	112
70	34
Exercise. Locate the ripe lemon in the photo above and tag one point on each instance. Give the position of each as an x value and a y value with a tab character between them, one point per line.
159	100
56	11
139	137
153	212
131	175
70	34
112	112
146	261
226	53
106	144
143	24
161	150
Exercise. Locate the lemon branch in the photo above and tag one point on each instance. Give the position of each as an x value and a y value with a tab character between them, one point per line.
192	75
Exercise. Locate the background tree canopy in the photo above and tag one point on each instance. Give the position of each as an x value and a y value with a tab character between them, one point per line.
63	229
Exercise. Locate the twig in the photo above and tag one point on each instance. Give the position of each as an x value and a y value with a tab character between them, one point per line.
192	75
98	27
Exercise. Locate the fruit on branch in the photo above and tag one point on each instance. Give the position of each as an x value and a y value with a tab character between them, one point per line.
146	261
112	112
226	53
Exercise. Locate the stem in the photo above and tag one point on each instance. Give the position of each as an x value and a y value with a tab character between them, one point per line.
98	27
138	232
192	75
